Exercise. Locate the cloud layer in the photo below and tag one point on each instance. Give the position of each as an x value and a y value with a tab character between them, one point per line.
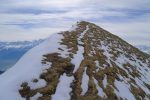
34	19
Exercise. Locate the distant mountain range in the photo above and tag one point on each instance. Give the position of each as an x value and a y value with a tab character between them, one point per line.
144	48
84	63
10	52
1	72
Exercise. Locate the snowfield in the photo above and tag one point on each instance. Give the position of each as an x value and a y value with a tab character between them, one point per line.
63	89
28	68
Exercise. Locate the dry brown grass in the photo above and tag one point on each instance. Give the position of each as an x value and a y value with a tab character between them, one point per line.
138	92
62	65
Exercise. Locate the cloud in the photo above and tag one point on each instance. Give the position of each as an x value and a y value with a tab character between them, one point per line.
32	19
9	33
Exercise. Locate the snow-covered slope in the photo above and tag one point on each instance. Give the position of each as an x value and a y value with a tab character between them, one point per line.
27	68
84	63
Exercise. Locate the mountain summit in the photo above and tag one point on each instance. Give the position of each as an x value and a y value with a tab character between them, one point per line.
84	63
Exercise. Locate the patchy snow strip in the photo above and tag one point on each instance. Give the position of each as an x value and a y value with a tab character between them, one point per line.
63	85
82	34
124	91
105	81
100	90
85	81
79	56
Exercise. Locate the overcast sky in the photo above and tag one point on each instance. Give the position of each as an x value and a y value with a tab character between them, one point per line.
35	19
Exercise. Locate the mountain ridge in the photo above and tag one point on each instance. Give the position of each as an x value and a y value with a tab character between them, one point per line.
19	44
84	63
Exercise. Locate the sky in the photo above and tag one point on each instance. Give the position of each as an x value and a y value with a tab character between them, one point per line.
37	19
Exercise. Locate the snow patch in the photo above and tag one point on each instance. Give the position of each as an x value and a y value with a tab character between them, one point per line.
105	81
35	97
100	90
85	81
124	91
39	84
63	85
